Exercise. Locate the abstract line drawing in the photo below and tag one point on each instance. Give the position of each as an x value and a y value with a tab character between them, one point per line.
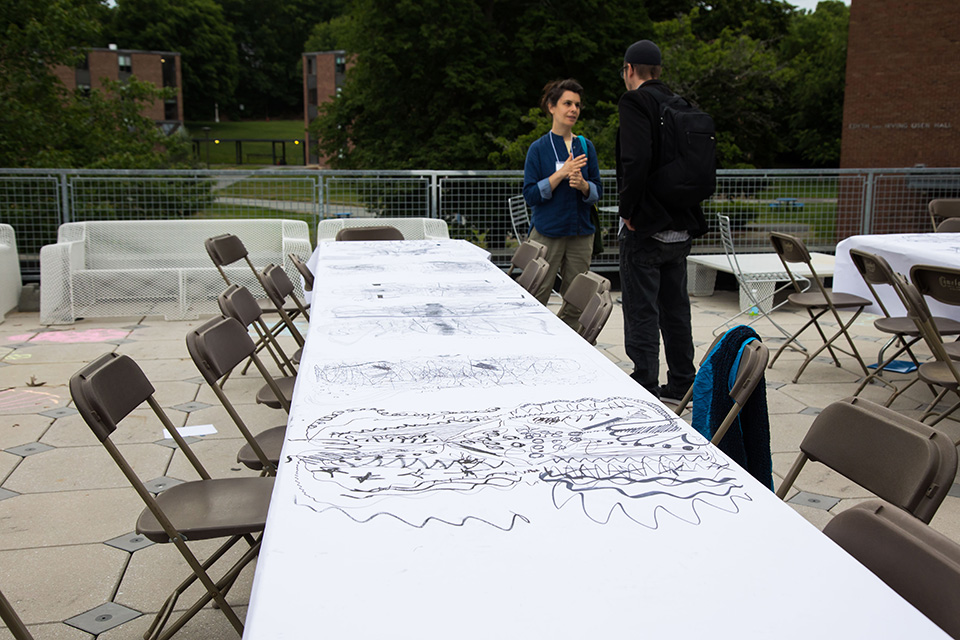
341	379
612	460
467	289
436	309
365	329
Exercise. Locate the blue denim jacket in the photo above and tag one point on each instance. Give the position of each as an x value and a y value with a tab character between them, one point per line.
564	211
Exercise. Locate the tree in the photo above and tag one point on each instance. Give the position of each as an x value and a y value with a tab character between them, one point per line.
200	32
815	55
36	35
269	38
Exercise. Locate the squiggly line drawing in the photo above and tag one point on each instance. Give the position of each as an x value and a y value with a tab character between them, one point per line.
604	457
365	328
436	310
467	289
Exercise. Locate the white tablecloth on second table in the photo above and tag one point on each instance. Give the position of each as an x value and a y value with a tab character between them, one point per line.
902	251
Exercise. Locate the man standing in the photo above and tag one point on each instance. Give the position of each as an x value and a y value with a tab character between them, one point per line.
655	236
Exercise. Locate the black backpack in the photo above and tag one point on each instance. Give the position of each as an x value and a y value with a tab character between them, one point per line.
687	173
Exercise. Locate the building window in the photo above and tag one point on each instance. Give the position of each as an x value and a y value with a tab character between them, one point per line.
170	109
341	64
125	63
169	66
311	63
84	63
83	90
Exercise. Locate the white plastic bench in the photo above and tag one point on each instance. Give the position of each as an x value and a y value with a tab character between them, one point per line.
411	228
155	267
10	284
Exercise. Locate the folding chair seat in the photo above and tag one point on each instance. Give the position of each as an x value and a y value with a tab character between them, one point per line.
918	562
528	251
304	270
816	304
756	288
581	291
946	208
105	392
238	303
595	315
12	620
875	270
216	347
534	275
897	458
519	217
383	232
941	284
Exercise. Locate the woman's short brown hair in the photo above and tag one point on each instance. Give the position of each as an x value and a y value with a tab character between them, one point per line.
553	90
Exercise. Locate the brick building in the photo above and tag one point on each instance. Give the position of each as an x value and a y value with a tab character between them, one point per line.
161	68
901	106
323	76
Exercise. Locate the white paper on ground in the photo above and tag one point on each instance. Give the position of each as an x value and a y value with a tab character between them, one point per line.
195	430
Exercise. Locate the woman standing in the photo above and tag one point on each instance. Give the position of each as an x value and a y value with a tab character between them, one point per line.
561	183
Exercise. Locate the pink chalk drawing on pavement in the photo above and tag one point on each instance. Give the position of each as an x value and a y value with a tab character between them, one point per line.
72	336
27	401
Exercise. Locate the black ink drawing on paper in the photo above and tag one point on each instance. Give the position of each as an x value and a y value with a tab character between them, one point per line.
479	327
437	309
610	459
340	379
396	290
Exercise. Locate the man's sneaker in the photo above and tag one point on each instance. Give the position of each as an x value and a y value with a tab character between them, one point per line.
671	394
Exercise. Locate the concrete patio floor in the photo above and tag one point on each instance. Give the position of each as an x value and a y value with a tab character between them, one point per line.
67	513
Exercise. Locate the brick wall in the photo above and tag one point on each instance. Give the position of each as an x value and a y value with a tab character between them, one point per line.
902	102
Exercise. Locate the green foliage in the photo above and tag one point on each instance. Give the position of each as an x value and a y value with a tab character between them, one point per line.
202	35
269	40
815	54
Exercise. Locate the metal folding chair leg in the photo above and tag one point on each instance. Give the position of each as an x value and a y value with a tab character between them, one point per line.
12	620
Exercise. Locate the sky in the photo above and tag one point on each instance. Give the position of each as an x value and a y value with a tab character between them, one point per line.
810	4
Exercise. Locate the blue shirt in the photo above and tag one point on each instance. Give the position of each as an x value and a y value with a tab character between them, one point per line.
563	211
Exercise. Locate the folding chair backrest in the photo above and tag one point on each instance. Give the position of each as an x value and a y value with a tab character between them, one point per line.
726	239
383	232
582	289
519	218
874	270
943	208
753	361
534	275
237	302
950	225
304	271
595	316
217	346
940	283
792	251
897	458
225	249
528	251
277	284
107	390
918	562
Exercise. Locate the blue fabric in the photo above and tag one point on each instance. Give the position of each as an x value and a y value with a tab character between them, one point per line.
563	211
747	441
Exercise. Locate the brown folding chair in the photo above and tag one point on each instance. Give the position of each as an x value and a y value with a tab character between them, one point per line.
528	251
238	303
534	275
895	457
817	303
875	270
12	620
219	345
581	291
943	208
943	285
950	225
595	315
753	362
105	392
384	232
304	270
280	289
918	562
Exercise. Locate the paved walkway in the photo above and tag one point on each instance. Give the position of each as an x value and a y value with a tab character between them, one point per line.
67	514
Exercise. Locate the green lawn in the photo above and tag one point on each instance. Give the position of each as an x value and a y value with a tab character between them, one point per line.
223	153
273	129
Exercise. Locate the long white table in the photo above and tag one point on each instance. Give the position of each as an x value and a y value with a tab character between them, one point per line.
902	251
460	464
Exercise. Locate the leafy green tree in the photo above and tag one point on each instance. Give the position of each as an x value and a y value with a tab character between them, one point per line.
269	39
764	20
815	55
36	35
200	32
